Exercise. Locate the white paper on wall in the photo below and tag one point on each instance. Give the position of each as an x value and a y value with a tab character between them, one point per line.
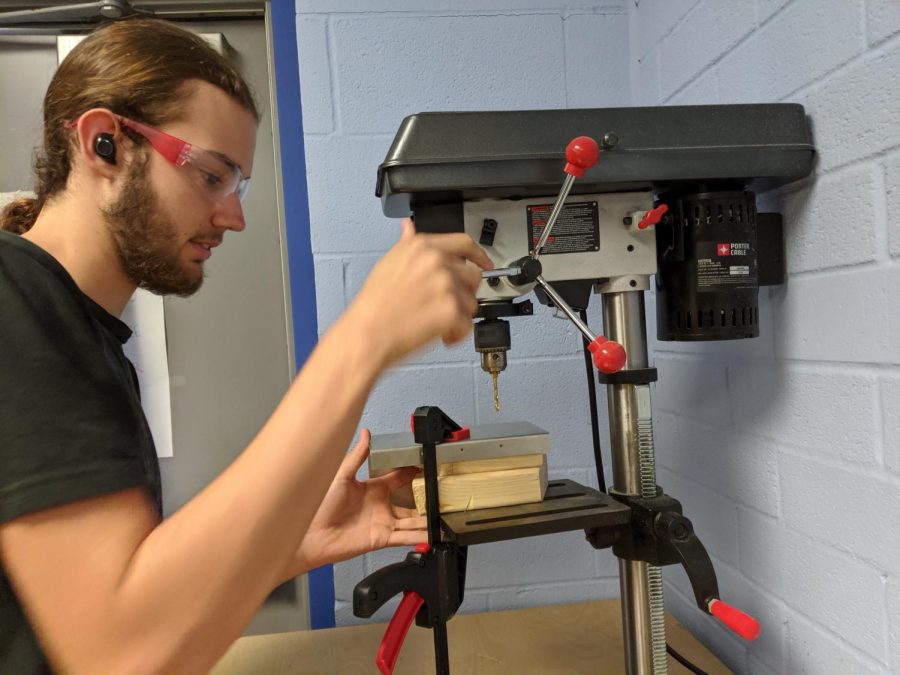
7	197
147	351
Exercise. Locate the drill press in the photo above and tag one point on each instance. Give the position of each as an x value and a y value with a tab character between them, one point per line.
662	192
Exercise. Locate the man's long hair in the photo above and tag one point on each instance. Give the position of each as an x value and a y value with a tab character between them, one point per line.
135	67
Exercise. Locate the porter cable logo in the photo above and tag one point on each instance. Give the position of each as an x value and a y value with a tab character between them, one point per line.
735	248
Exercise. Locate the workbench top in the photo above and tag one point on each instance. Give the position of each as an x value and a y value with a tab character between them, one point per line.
557	640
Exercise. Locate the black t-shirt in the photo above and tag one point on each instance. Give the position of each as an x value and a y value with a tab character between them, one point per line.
71	423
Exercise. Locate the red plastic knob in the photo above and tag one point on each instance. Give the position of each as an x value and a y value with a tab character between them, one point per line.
581	155
609	356
653	216
422	548
741	623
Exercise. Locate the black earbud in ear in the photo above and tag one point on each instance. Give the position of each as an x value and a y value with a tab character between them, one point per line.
105	147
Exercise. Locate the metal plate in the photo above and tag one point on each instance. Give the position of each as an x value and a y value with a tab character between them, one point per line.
488	441
566	506
622	250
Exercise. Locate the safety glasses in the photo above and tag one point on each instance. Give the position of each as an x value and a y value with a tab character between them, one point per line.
213	173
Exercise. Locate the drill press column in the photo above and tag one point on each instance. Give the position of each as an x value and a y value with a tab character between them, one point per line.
634	473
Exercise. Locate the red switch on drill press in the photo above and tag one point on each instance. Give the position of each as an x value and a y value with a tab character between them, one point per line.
653	216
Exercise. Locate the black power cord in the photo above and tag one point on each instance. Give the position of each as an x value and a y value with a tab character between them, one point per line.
592	397
683	661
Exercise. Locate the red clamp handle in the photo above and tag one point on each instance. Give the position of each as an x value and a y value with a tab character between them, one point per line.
461	434
395	634
609	356
740	622
653	216
581	154
389	650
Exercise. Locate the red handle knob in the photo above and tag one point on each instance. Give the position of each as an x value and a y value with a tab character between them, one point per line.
609	356
741	623
396	632
653	216
581	155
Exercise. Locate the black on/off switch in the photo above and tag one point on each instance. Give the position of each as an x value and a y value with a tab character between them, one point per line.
488	230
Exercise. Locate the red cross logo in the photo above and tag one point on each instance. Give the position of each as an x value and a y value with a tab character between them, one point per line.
724	249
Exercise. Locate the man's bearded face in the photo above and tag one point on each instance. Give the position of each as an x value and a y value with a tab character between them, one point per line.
147	240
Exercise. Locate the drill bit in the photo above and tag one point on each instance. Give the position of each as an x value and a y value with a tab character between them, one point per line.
496	391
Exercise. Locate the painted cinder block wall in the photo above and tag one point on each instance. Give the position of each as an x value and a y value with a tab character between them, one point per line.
784	449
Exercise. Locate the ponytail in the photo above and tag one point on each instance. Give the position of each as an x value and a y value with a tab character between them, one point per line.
19	215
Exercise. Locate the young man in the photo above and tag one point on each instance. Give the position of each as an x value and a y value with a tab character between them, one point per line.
91	579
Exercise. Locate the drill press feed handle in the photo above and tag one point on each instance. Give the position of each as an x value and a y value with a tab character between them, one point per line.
609	356
581	154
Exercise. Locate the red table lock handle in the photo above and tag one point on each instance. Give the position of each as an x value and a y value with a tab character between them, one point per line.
740	622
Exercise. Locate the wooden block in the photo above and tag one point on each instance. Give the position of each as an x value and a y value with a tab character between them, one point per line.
494	464
466	491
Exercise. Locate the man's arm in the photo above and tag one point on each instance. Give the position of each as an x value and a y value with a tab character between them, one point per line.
109	589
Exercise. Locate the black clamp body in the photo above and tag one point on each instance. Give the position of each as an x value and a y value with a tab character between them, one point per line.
661	535
438	577
438	574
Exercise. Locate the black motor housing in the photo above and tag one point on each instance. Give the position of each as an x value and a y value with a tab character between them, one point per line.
708	279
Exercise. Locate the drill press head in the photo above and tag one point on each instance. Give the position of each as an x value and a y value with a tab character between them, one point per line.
494	175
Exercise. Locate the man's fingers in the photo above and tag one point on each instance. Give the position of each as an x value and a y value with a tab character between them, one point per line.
407	229
463	246
470	275
357	456
407	537
402	512
399	478
415	523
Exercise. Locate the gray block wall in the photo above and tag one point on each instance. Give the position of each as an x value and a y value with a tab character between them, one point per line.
785	452
784	449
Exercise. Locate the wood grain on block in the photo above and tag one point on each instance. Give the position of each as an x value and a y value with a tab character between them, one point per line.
495	464
465	489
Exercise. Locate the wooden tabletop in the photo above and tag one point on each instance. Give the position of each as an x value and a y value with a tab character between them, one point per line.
557	640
